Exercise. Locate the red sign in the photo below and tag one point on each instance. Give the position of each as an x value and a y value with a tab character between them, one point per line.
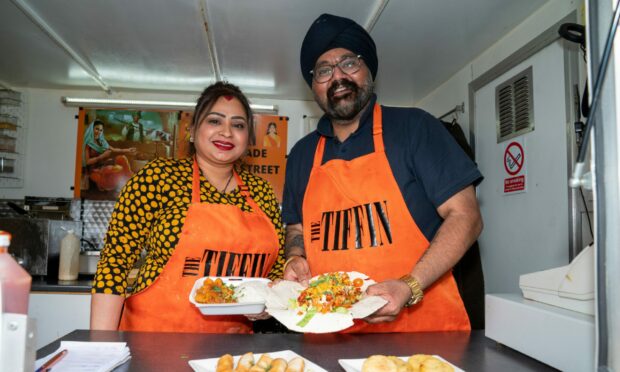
513	158
514	184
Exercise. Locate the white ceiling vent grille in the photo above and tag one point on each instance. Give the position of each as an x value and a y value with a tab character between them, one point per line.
514	106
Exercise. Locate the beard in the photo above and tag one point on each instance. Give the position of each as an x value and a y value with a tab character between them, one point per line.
347	107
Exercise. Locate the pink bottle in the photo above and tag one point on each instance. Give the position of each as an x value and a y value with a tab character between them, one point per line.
14	280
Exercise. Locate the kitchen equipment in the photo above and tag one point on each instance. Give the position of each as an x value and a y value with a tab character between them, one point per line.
570	287
88	261
52	208
36	242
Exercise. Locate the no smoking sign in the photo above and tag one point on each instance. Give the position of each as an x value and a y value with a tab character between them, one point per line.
513	158
514	164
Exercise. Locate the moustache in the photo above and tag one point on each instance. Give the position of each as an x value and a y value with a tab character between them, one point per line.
342	83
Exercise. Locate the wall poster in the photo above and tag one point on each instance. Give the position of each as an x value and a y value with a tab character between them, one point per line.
114	144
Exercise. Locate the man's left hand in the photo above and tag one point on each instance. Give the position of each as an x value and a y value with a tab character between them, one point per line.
396	292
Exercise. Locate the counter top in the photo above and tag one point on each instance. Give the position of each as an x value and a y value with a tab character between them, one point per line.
83	284
471	351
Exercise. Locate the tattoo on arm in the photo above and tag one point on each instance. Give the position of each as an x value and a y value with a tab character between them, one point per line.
294	243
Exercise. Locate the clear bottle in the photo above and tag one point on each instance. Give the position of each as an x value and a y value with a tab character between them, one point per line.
14	280
69	257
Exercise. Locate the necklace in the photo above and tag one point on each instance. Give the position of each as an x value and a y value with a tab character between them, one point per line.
223	192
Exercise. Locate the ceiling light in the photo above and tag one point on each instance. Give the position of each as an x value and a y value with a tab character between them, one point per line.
133	103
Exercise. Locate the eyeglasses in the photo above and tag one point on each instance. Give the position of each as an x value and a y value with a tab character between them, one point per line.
349	65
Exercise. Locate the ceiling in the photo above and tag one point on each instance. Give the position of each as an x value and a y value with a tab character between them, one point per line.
184	45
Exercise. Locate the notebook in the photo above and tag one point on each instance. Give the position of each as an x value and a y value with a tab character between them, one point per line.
88	356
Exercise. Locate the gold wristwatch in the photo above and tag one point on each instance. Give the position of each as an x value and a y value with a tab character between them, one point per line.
416	292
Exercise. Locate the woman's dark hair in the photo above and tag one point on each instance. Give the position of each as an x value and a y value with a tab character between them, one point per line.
208	98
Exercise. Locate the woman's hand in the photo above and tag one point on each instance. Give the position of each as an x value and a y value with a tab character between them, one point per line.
131	151
262	316
297	270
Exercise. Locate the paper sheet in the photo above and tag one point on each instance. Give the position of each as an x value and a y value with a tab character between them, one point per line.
89	356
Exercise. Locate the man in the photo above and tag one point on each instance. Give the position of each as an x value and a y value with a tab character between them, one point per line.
134	131
380	190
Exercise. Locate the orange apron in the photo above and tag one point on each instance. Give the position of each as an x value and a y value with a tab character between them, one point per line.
355	219
216	240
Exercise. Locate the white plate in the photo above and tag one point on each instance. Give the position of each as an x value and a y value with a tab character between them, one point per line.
355	365
239	308
208	365
320	323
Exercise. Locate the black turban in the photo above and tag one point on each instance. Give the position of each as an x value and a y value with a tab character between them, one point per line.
330	32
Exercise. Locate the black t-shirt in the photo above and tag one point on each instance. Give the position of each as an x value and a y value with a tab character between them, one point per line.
427	163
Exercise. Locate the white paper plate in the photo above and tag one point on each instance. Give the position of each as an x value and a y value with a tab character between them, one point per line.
355	365
208	365
239	308
322	323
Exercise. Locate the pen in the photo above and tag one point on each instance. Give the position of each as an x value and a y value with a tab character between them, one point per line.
50	363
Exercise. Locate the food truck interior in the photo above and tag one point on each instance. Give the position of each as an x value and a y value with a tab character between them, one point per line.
531	84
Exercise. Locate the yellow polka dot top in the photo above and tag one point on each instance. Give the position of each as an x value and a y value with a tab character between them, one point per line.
150	214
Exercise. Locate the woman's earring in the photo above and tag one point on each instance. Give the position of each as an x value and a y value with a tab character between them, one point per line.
191	139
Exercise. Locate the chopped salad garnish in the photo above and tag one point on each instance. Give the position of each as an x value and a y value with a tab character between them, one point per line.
215	292
328	293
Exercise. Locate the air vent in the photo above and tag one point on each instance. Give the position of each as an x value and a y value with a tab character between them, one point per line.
514	106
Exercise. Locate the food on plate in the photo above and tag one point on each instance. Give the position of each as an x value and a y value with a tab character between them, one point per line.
245	362
415	363
328	293
265	363
278	365
215	292
379	363
225	363
296	364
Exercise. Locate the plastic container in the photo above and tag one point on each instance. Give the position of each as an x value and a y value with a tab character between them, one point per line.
69	257
14	280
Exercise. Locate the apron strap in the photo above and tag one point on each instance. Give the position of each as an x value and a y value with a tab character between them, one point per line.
195	183
245	192
377	128
318	154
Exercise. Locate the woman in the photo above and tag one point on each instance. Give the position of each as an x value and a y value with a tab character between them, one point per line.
105	165
195	217
271	139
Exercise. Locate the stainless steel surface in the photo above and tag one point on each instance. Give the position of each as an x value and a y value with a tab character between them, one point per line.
36	242
88	261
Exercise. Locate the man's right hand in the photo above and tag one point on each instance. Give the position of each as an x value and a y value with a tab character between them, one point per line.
298	270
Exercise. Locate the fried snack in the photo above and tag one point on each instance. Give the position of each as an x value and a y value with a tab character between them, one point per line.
245	362
401	365
225	364
263	364
278	365
379	363
427	363
433	364
415	361
296	364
